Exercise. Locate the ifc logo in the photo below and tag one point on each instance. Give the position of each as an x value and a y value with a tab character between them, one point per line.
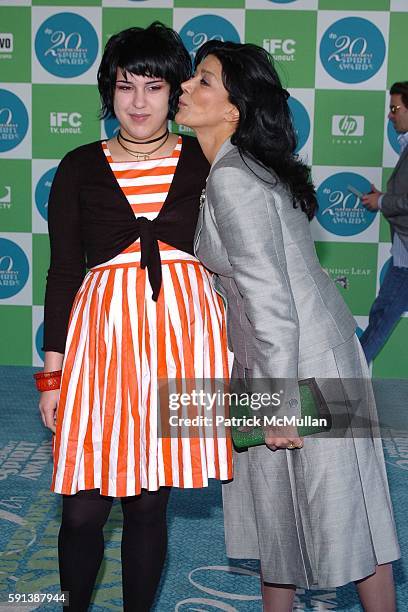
66	45
340	211
200	29
393	137
301	122
42	192
352	50
14	268
13	120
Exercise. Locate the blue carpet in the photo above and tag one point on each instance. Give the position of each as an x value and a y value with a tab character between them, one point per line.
198	575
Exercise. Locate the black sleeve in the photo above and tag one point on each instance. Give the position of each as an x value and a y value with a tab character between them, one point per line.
67	267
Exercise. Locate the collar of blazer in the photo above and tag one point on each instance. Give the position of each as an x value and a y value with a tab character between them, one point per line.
225	148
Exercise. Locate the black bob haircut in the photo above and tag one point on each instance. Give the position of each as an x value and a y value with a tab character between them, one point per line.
265	129
401	88
155	51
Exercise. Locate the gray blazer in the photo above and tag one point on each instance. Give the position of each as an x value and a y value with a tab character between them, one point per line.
282	307
395	201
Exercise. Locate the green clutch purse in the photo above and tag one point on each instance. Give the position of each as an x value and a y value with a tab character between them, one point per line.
247	427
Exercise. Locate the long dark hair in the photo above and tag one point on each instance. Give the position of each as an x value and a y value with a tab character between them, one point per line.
265	129
155	51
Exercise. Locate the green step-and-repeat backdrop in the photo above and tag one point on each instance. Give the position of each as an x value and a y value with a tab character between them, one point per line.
338	59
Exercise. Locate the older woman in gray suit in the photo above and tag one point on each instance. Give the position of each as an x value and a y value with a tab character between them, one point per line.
316	511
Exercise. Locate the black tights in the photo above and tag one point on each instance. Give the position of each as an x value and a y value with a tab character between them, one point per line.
144	545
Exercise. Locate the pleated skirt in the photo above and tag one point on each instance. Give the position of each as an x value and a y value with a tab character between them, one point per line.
320	516
120	344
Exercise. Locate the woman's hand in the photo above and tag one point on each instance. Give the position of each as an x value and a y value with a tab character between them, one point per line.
49	399
48	407
282	437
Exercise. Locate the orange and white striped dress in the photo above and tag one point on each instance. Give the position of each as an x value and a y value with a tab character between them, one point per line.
121	344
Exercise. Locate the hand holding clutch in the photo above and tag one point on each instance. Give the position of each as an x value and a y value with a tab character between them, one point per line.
249	430
282	437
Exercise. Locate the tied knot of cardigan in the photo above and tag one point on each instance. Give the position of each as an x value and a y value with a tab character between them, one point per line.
150	254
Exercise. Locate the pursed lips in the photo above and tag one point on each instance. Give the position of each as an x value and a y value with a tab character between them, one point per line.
138	116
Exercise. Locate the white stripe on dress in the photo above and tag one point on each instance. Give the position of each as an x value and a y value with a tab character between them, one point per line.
142	181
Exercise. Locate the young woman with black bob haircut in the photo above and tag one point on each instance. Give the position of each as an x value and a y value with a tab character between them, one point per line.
126	209
316	510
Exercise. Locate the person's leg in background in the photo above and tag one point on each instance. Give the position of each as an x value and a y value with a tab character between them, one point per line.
81	544
391	302
144	547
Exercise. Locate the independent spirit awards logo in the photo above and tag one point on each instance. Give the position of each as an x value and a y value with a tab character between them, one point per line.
14	268
62	122
13	120
347	129
5	197
352	50
301	122
340	211
281	49
66	45
42	192
199	30
6	45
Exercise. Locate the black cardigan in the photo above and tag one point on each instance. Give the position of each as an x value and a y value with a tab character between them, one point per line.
90	221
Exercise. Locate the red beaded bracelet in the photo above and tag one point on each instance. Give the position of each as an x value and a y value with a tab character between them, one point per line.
47	381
